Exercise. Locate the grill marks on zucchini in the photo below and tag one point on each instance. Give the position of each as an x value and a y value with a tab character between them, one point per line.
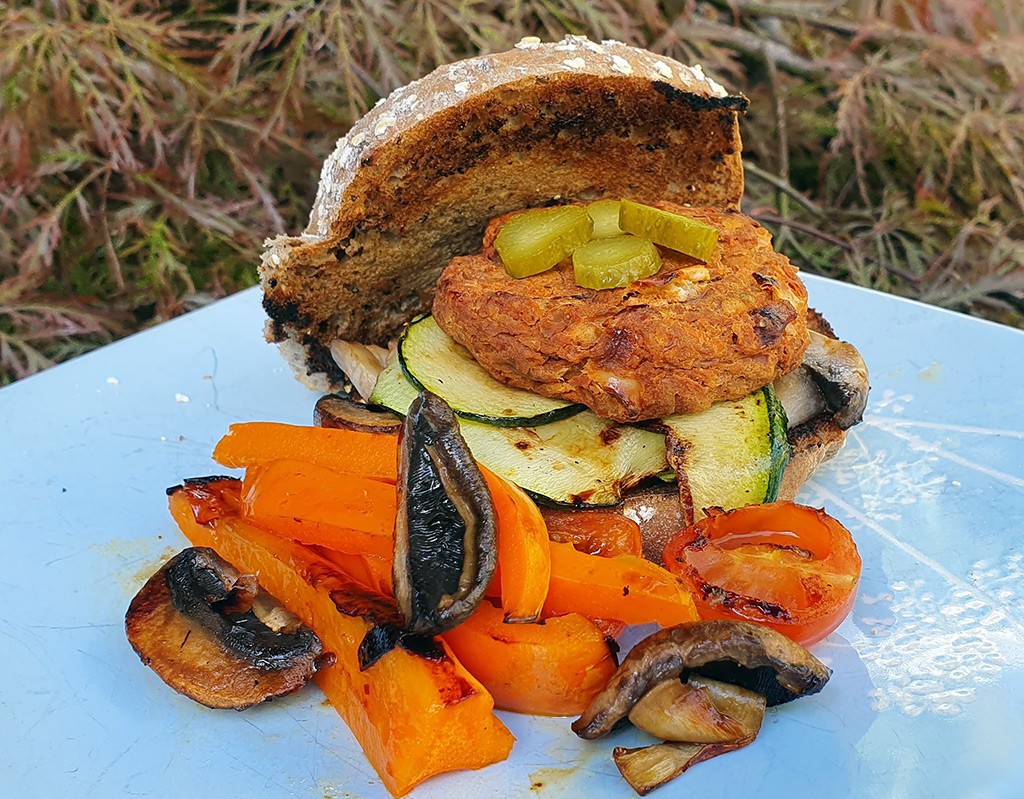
435	362
733	454
730	455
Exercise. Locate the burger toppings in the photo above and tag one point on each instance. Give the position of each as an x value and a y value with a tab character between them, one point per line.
841	375
676	231
434	362
534	241
598	237
614	262
678	341
731	454
605	215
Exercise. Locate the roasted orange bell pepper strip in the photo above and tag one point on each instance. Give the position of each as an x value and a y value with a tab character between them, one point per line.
596	532
372	455
626	588
372	571
315	505
524	557
549	669
413	716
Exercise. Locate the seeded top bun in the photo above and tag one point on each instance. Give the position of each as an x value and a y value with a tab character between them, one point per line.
415	182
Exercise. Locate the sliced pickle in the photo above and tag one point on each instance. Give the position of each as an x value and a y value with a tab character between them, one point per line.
675	231
605	214
535	241
615	262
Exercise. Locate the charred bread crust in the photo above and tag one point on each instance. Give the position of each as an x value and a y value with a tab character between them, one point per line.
415	182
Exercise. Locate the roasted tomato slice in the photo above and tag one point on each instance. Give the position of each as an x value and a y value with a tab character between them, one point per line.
787	566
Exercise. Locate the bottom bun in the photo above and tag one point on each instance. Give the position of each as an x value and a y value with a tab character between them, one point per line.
813	443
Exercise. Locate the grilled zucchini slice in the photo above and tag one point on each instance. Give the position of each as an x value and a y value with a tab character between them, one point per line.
730	455
434	361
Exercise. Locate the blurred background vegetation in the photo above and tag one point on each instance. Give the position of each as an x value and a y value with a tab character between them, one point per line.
146	149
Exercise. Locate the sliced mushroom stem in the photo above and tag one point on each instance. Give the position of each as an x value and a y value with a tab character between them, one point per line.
800	396
698	711
445	529
650	767
361	363
751	651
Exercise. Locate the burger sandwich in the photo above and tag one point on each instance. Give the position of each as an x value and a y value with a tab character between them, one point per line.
550	240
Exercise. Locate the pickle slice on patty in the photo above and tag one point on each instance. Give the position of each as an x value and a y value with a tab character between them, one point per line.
537	240
677	232
605	214
615	262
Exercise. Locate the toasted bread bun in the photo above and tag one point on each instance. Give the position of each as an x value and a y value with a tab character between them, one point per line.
415	182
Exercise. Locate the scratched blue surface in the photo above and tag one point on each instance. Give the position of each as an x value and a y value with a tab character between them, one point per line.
928	693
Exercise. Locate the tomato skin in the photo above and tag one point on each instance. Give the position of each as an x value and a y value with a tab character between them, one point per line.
784	565
595	532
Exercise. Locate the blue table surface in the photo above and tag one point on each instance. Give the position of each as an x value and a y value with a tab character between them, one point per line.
927	697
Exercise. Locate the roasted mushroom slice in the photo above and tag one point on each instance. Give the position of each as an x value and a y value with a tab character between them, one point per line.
334	410
445	529
214	635
698	719
649	767
757	657
841	375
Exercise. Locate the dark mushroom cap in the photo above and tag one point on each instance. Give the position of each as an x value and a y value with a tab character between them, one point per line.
758	658
445	528
214	635
334	410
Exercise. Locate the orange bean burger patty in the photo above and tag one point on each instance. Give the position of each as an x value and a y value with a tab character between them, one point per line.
693	334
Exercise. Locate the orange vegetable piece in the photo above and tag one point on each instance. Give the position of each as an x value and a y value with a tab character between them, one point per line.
371	571
549	669
373	455
610	628
784	565
596	532
414	717
315	505
523	553
627	588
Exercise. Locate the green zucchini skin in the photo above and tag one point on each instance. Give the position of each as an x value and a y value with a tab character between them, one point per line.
432	361
734	453
738	450
781	449
583	460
